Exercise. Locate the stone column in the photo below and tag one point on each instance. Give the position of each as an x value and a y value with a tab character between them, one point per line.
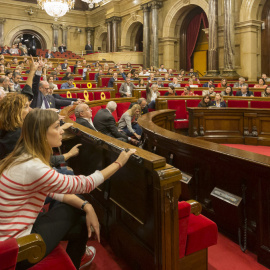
65	34
168	51
146	36
2	21
109	35
115	21
90	34
155	6
229	44
55	28
213	69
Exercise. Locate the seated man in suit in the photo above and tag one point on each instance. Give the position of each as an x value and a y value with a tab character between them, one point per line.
210	83
126	88
244	92
69	84
84	116
142	102
115	78
49	54
62	48
100	72
64	65
105	123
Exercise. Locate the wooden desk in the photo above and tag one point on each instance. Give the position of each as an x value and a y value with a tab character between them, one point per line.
135	206
212	165
230	125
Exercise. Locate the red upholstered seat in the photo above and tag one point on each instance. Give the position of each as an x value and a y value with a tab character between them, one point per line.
95	110
237	103
179	92
97	95
260	104
77	78
90	95
122	108
257	94
195	232
181	117
162	92
198	92
72	117
143	94
73	95
57	259
91	76
202	233
104	82
193	102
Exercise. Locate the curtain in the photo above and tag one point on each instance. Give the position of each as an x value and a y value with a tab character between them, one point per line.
193	33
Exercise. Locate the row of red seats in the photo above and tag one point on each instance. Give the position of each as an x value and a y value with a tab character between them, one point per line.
96	95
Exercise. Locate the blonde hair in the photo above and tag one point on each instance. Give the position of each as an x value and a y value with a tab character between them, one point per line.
11	107
134	108
33	140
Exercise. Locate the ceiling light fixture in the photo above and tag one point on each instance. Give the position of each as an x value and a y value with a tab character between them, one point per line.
91	3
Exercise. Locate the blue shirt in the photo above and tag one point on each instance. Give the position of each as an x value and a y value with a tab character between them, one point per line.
66	86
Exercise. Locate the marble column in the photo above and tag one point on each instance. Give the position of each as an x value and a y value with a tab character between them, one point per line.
155	5
2	21
109	35
90	34
115	21
146	36
229	43
55	28
64	34
213	39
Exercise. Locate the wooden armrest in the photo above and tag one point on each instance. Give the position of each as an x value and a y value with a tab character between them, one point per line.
196	207
31	248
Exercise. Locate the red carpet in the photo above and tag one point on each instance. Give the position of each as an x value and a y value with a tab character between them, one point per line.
227	255
262	150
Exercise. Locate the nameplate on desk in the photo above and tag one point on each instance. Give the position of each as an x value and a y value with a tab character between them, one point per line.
186	178
226	196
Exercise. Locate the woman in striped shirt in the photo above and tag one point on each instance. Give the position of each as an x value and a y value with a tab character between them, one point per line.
26	178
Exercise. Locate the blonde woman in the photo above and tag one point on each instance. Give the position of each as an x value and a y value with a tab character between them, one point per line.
128	122
151	95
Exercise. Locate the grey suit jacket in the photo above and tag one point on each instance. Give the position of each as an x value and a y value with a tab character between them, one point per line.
123	88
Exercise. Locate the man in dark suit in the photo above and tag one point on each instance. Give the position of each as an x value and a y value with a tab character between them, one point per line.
105	123
115	78
244	92
64	65
88	48
49	54
210	83
142	102
62	48
84	116
126	88
100	72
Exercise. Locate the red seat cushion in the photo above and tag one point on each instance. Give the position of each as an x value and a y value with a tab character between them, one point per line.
198	92
81	95
143	94
122	108
95	110
257	94
8	254
237	103
104	82
180	107
57	259
97	95
72	117
162	92
183	216
193	102
260	104
202	233
179	124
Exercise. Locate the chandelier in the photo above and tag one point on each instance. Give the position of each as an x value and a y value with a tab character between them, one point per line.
56	8
91	2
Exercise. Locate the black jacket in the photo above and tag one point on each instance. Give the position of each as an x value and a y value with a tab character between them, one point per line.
84	123
8	140
105	123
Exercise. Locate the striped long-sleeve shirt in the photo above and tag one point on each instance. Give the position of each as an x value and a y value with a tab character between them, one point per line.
23	189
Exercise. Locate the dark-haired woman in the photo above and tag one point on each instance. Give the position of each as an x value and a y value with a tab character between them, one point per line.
206	101
171	91
266	92
227	92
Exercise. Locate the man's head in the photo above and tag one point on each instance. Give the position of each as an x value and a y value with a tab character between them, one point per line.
241	80
15	60
244	89
111	106
21	63
69	69
51	88
70	80
170	71
142	102
128	80
166	76
16	77
110	70
162	66
211	82
154	87
84	62
4	81
83	111
100	72
159	81
175	80
66	61
115	75
186	90
211	89
152	76
191	70
264	76
44	87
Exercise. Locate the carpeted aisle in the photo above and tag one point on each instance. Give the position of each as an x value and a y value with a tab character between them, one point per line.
227	255
262	150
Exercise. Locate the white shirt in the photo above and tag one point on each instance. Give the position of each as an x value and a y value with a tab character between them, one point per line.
128	90
154	96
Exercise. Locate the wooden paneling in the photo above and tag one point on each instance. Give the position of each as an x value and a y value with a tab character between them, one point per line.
212	165
230	125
